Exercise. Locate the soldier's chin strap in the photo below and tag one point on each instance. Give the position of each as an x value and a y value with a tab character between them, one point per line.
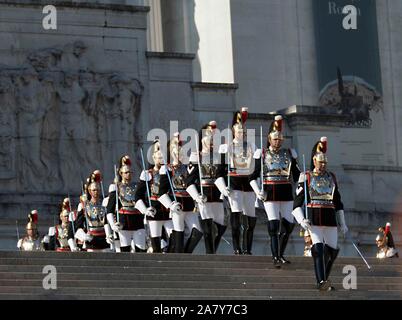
348	237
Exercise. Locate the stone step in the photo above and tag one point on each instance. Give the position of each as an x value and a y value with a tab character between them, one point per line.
278	278
374	296
192	292
88	261
180	276
159	260
178	270
180	257
168	284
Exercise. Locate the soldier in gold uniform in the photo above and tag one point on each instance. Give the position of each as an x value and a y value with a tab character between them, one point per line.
240	194
91	219
324	213
58	235
279	167
188	215
129	222
158	216
31	241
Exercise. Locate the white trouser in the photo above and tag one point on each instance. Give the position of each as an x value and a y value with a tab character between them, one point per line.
186	218
277	209
99	250
327	235
213	210
155	227
241	201
138	236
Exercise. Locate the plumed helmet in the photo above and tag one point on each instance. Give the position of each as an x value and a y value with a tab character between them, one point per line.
319	151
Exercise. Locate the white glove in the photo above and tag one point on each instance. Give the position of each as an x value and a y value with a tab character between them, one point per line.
173	206
116	227
299	215
306	224
88	238
150	212
228	192
52	231
72	245
110	240
221	185
201	199
260	194
71	216
176	207
340	215
197	197
140	206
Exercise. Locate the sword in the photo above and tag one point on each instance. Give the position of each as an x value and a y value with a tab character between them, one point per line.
117	195
146	178
360	254
71	206
84	211
199	163
168	175
228	157
262	162
103	192
18	233
305	187
117	207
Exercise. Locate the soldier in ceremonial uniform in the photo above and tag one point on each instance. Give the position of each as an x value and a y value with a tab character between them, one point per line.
385	243
157	215
242	170
203	183
31	241
90	224
58	235
279	166
324	213
188	215
128	222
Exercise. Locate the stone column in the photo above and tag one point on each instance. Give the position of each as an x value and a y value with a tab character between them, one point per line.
154	29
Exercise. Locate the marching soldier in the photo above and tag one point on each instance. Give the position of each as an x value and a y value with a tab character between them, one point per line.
188	215
31	241
324	212
128	222
207	173
90	226
58	235
241	197
278	167
157	215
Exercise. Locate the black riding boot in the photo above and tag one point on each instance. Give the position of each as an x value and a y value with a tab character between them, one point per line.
138	249
330	257
286	230
156	244
236	224
273	230
317	252
178	240
193	240
206	226
125	249
248	234
221	230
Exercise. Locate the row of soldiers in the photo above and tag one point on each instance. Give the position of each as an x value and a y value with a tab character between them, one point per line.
173	194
